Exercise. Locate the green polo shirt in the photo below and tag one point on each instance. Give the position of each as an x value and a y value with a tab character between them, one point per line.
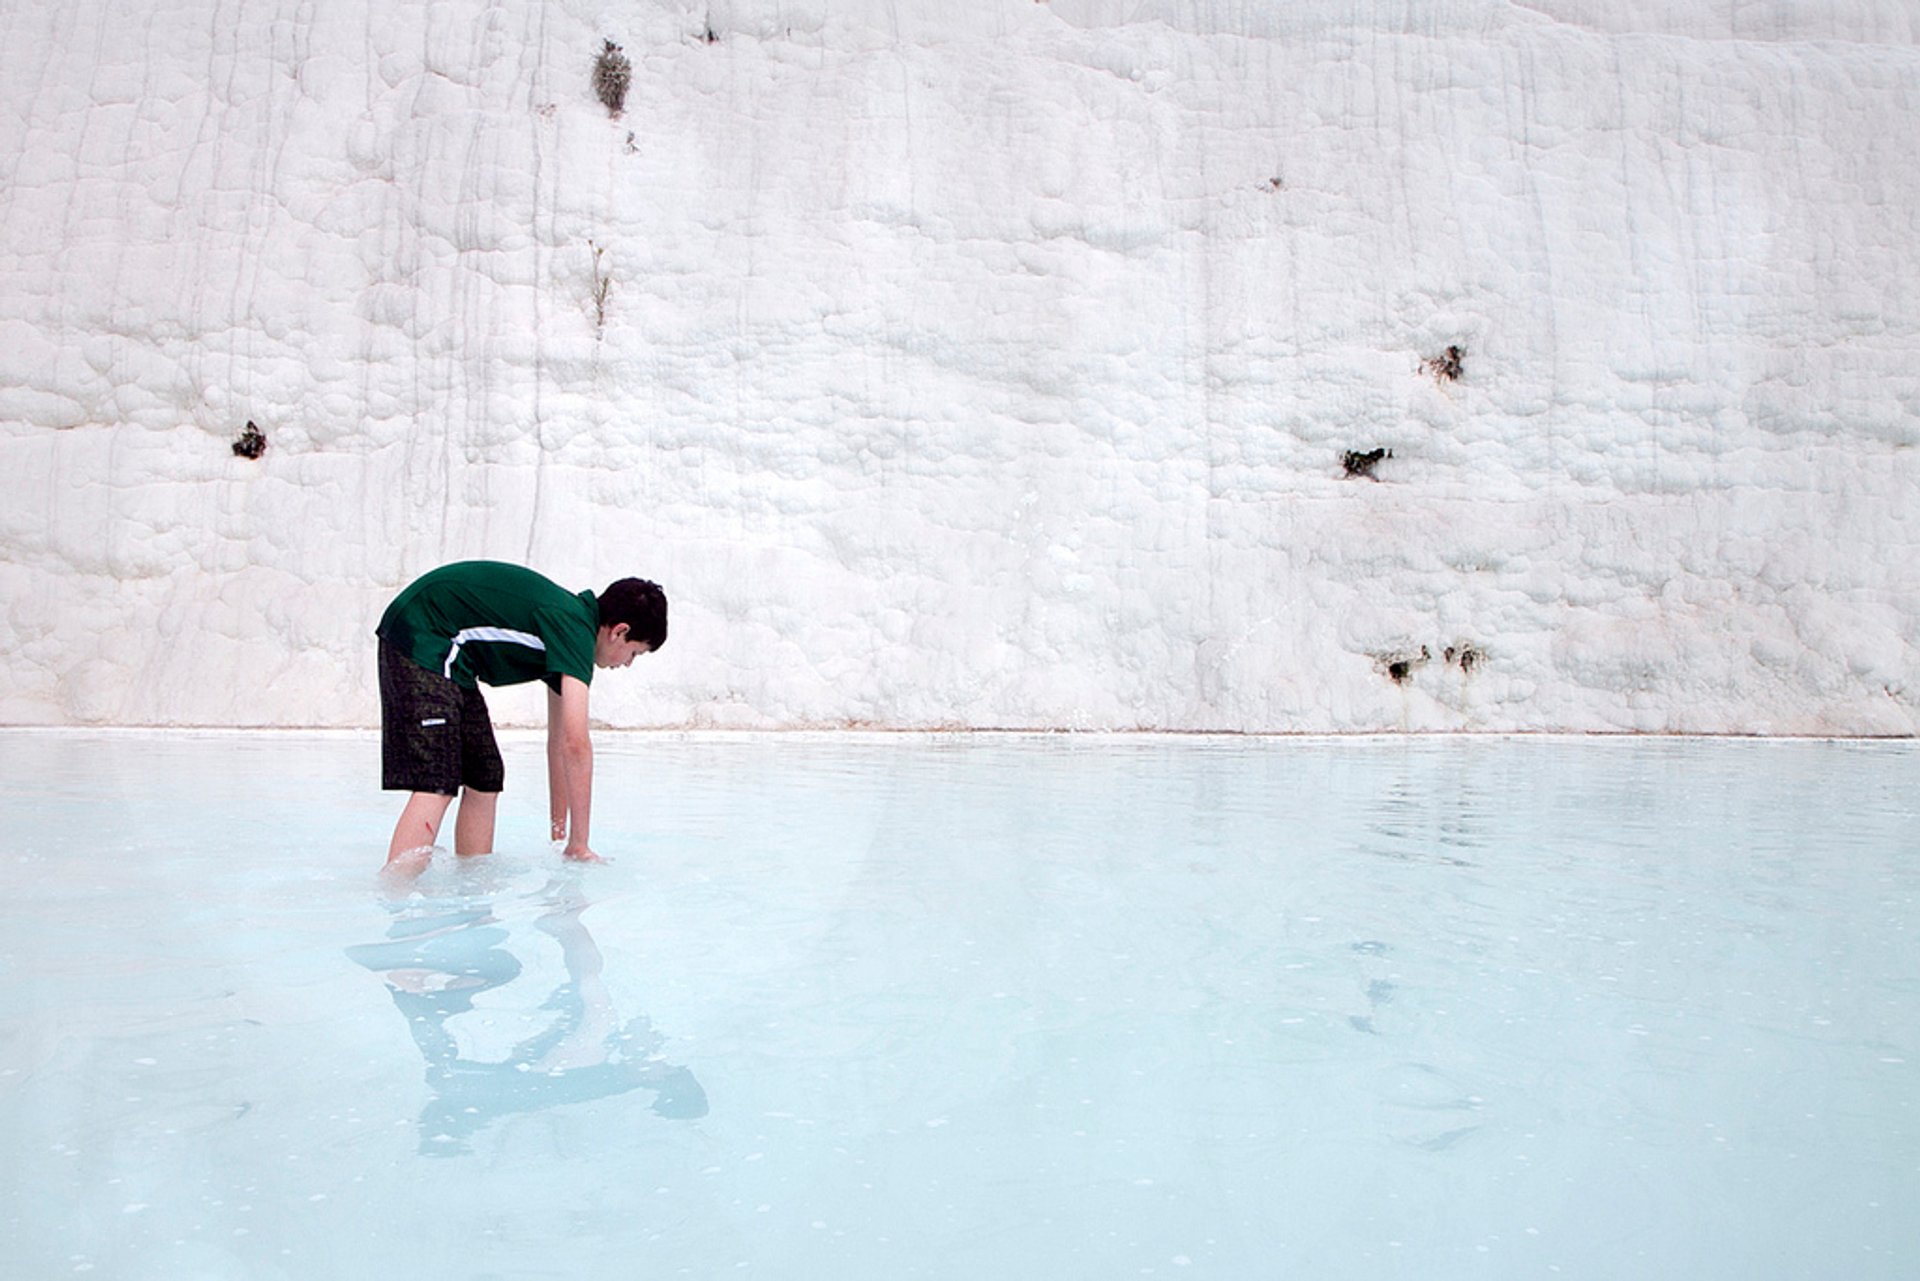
481	620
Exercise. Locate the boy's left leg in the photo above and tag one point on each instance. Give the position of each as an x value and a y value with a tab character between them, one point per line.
482	775
473	826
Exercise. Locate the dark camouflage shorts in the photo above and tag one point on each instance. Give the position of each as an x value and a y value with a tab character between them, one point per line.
435	734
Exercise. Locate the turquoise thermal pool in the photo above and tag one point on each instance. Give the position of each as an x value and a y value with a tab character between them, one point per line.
959	1007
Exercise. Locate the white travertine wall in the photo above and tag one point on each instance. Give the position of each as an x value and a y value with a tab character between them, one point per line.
976	365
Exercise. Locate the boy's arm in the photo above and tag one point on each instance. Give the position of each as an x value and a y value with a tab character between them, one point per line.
570	767
556	769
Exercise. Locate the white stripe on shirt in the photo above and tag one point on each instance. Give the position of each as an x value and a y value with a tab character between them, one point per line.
502	634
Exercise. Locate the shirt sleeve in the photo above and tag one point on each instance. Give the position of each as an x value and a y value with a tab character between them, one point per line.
569	649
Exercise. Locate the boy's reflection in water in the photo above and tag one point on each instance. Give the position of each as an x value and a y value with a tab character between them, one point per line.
441	954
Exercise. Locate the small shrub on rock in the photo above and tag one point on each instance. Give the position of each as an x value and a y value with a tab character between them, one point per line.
1447	365
612	73
1359	464
251	443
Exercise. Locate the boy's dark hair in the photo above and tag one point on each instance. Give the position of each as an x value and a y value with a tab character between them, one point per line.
641	605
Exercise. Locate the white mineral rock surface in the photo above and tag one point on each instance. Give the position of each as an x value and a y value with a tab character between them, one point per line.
984	364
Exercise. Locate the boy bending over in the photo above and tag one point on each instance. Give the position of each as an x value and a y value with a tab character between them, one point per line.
486	621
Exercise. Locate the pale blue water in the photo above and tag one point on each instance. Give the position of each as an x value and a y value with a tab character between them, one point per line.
958	1008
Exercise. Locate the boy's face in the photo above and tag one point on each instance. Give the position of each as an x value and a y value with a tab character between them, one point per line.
611	648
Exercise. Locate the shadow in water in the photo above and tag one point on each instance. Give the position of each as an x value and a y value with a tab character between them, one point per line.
441	954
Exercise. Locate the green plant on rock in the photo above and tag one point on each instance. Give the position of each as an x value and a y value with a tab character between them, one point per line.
612	73
1356	463
251	443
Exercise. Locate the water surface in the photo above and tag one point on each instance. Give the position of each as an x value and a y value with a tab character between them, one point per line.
952	1007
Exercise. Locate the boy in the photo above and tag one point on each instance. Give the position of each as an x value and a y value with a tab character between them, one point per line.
486	621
